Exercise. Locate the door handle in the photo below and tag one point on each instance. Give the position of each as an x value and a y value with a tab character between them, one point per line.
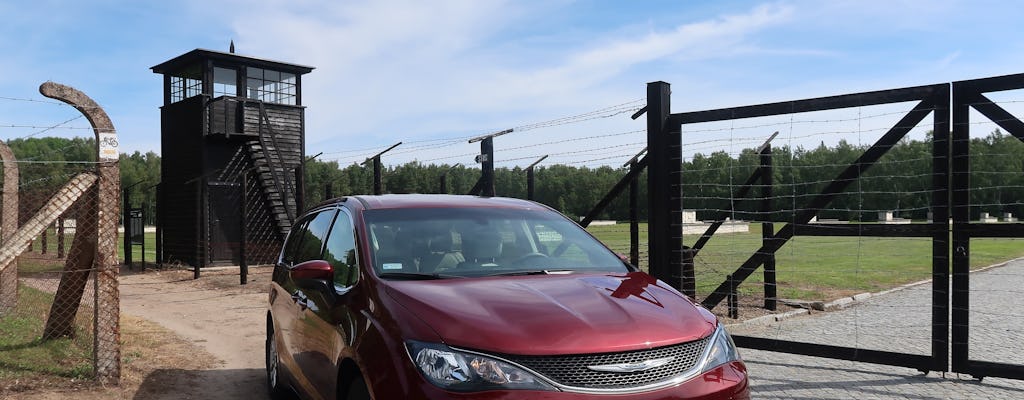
301	299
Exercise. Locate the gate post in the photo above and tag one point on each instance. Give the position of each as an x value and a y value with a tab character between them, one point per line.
960	207
664	188
767	228
107	338
940	242
634	218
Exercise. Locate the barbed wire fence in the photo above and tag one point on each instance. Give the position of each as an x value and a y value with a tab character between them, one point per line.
810	150
59	231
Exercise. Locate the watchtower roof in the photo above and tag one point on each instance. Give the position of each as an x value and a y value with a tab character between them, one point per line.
188	59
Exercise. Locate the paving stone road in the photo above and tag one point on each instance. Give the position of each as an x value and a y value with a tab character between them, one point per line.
896	321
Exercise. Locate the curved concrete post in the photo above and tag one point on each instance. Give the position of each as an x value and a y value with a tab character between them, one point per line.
8	224
94	245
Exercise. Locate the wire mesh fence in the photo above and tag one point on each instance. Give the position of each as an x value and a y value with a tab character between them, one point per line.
55	326
59	307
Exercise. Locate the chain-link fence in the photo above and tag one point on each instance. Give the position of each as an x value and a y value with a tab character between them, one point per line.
54	318
59	307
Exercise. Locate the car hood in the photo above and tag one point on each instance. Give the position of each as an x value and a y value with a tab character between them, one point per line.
554	314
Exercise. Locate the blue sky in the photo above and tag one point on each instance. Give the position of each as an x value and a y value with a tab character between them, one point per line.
416	71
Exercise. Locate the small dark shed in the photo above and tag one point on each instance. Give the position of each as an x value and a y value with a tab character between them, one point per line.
227	117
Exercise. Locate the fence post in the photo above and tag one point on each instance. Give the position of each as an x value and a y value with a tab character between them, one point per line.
664	219
106	341
378	183
487	166
8	225
142	255
732	299
200	238
529	177
44	241
125	218
60	237
486	159
159	226
300	188
378	180
243	264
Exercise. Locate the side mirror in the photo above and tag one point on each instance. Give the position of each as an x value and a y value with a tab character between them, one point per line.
313	274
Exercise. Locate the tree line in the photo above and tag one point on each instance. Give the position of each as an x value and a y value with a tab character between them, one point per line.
900	181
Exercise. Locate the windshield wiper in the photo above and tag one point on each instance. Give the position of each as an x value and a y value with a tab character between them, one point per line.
535	272
414	276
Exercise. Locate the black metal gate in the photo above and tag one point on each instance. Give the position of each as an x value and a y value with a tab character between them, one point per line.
969	95
952	210
930	100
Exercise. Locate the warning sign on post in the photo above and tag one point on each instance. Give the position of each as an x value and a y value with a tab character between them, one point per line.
108	146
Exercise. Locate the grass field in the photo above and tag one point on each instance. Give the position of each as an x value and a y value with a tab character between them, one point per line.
817	268
23	355
36	264
808	268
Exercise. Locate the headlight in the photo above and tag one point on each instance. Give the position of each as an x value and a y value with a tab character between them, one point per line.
722	350
465	372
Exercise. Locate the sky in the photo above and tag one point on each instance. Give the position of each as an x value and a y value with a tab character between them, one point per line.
565	75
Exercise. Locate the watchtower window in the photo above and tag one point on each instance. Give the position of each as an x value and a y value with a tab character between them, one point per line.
271	86
183	88
225	82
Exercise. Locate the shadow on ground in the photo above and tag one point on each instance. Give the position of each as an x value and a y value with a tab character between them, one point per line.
809	381
203	384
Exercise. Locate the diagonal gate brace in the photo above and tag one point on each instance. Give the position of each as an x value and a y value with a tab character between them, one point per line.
838	185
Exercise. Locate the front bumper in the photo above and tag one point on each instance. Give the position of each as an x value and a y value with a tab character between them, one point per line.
727	381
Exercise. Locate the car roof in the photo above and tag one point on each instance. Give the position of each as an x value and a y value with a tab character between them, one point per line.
390	201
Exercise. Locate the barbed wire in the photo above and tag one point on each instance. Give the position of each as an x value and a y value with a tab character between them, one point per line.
47	101
608	112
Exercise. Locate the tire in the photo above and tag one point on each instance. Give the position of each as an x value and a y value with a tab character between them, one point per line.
274	385
357	390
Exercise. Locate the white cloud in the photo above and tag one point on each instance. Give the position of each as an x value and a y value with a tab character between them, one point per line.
428	67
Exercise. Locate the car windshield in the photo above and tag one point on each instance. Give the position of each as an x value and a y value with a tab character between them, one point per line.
416	243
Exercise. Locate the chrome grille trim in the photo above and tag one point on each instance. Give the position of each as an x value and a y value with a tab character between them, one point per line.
653	379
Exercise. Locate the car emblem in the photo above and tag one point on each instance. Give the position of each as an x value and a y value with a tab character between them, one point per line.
632	367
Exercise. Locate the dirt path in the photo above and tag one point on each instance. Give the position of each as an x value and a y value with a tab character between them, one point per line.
216	314
182	338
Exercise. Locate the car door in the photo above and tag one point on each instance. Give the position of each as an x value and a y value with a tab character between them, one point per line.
283	307
330	320
309	246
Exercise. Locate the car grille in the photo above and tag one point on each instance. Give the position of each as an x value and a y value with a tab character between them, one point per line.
572	371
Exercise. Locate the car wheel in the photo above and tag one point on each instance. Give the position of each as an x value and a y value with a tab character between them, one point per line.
274	386
357	390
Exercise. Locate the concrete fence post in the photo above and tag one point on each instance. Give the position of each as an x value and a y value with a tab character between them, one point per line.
102	207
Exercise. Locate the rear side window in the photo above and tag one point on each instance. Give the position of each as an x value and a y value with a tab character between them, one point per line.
293	241
341	251
311	242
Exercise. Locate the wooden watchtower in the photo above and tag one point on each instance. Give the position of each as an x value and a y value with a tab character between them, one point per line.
232	142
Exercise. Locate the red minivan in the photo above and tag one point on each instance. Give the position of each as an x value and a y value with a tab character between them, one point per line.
462	297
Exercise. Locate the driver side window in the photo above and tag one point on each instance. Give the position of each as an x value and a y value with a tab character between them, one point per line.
341	251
